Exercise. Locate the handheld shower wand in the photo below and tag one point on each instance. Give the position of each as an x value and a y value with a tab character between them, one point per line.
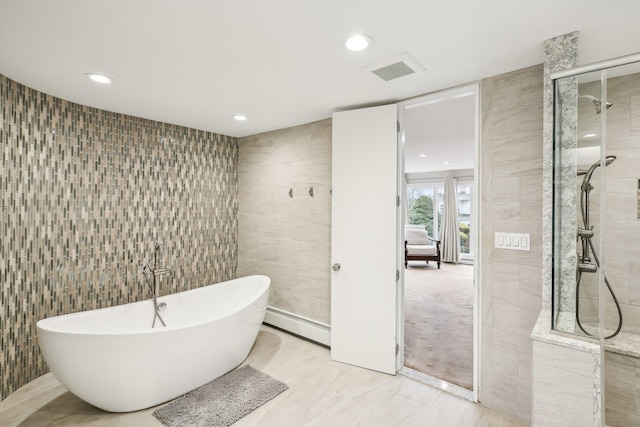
585	234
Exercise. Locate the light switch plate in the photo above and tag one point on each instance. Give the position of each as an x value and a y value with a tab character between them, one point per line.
513	241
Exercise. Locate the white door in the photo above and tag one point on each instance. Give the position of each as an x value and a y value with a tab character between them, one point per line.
363	238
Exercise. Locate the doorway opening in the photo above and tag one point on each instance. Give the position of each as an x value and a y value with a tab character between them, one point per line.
438	326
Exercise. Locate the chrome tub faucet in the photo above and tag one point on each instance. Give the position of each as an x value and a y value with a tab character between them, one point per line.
157	272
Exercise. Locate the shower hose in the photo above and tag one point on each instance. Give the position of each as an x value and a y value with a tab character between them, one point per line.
588	247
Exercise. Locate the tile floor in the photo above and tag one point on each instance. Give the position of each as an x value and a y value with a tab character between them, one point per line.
321	393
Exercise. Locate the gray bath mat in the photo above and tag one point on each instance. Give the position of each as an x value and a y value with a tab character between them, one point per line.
222	401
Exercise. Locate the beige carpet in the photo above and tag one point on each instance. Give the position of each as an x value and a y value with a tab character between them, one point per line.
438	321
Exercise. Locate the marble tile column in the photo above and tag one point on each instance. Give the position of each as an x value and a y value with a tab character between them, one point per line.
566	377
560	54
566	198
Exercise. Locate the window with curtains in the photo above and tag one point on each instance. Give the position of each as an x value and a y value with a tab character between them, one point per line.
464	217
425	205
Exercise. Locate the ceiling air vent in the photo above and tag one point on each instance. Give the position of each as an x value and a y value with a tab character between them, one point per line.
394	68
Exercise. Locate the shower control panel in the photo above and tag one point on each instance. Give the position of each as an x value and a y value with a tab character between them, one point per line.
515	241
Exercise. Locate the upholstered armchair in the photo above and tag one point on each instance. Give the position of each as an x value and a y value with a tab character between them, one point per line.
419	246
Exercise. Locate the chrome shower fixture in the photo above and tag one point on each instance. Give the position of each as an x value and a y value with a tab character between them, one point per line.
588	251
586	180
597	102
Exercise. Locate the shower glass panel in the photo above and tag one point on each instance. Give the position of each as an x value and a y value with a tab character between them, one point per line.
596	230
578	145
596	283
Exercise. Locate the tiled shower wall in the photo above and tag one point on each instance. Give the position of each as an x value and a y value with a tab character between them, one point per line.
621	225
284	231
85	196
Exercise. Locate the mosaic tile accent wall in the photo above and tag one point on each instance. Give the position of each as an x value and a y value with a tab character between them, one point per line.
85	196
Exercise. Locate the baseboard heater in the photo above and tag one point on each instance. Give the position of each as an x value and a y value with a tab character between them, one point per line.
299	325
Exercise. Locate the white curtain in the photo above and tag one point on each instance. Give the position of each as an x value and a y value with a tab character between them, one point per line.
449	230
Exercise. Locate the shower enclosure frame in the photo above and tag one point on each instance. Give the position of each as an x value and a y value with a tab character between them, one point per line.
602	68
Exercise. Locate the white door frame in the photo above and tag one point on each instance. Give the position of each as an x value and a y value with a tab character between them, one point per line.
476	222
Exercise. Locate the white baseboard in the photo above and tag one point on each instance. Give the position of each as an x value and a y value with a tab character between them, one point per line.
299	325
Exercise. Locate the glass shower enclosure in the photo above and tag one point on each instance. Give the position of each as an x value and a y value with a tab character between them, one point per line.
596	222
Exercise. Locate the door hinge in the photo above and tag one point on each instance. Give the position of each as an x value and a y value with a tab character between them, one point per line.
397	275
397	126
397	200
397	348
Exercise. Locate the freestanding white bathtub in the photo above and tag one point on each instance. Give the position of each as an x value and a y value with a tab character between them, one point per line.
114	360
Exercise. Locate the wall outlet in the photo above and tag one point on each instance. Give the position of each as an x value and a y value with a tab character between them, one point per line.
513	241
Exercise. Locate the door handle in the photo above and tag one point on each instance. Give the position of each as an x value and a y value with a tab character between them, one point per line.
335	267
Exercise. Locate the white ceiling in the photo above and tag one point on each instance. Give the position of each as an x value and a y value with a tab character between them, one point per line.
281	62
444	131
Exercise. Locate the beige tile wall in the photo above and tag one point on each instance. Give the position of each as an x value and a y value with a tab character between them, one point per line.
564	393
288	238
622	390
511	180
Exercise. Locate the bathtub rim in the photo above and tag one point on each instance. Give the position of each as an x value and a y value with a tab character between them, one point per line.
42	323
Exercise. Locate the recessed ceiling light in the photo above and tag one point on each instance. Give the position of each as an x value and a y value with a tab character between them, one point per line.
423	155
239	117
446	163
99	78
358	42
589	135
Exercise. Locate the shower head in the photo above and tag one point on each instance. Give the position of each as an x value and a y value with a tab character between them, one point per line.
586	186
599	106
608	161
597	102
